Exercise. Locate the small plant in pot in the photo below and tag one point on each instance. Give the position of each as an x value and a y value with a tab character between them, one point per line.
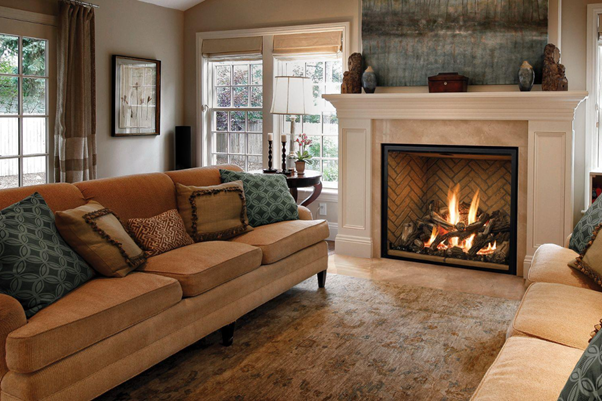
302	154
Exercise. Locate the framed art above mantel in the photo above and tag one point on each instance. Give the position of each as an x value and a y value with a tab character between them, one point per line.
136	96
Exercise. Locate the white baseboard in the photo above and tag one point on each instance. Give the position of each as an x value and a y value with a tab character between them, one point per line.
360	247
526	265
334	231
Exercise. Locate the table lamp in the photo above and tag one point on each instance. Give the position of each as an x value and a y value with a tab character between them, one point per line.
293	96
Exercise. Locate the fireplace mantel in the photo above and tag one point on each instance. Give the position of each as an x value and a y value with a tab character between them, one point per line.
547	154
513	106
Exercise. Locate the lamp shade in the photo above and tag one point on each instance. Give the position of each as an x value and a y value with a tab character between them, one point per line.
293	95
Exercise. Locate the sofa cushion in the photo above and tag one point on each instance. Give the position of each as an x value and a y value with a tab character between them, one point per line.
97	310
550	265
58	196
142	195
586	379
279	240
527	369
205	265
559	313
200	176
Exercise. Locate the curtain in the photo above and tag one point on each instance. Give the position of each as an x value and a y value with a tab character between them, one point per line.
75	131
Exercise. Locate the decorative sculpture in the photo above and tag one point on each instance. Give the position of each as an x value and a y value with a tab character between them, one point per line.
554	73
352	79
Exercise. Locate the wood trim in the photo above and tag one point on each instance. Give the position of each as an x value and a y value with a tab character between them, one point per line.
28	16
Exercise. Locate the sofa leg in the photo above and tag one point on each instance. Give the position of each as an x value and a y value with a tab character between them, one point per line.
322	279
227	334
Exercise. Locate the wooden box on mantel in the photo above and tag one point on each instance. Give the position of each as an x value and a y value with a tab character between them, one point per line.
448	82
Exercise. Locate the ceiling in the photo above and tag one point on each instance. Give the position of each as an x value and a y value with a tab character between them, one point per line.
182	5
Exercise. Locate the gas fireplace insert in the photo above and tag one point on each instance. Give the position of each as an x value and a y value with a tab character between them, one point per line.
451	205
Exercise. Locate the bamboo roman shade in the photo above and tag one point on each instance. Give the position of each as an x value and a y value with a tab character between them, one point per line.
250	46
309	43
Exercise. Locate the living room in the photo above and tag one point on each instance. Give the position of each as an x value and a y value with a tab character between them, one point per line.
277	199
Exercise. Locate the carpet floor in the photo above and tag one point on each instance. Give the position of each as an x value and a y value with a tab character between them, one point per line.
357	339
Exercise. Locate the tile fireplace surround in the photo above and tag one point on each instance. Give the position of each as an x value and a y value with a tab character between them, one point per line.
539	124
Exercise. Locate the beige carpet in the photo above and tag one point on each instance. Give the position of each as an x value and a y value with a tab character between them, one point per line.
357	339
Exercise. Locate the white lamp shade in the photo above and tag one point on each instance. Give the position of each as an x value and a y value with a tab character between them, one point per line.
293	95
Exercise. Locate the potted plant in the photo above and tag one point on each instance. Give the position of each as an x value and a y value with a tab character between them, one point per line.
302	154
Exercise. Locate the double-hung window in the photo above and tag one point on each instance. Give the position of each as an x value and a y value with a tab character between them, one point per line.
236	113
27	86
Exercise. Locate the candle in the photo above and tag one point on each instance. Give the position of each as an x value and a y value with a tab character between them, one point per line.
270	136
283	138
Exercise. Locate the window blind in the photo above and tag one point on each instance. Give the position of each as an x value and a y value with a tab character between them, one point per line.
219	48
309	43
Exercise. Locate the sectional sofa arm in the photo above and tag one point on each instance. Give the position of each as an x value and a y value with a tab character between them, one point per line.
304	213
12	316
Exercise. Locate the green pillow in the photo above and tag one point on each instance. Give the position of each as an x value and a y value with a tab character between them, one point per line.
37	267
585	382
586	226
268	198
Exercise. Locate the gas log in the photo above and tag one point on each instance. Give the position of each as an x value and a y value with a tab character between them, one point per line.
485	239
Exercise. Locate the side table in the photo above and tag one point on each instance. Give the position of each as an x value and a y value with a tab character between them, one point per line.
309	179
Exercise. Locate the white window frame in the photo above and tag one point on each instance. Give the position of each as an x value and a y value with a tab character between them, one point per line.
203	121
39	26
593	155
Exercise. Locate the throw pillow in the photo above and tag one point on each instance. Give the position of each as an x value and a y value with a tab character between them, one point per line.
585	381
213	213
268	197
37	267
97	235
589	262
584	229
161	233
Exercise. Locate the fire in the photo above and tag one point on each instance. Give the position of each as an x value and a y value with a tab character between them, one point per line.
454	209
433	237
489	250
474	208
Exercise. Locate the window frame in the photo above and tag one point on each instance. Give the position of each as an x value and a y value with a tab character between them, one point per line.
203	128
41	27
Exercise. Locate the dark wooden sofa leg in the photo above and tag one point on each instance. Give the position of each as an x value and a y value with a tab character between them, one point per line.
322	279
227	334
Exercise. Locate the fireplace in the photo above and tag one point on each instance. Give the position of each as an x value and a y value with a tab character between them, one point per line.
451	205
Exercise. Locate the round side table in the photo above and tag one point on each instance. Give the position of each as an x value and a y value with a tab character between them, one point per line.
309	179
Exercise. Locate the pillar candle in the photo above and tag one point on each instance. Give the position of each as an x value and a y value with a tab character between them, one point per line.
270	136
283	138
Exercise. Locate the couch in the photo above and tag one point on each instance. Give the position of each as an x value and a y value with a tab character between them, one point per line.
110	329
549	332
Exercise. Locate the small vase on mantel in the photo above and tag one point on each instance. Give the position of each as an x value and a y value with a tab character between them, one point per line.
526	77
369	80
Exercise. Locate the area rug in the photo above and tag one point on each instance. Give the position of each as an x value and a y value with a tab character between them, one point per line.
356	339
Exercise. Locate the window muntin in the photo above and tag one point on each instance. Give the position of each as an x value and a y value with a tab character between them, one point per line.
236	113
323	128
24	111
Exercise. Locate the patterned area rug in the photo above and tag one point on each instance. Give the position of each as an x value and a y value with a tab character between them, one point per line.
357	339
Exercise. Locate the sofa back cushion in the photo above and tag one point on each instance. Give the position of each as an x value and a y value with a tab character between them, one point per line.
57	196
200	176
134	196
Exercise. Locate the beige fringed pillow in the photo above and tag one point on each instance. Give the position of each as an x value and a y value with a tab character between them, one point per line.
217	212
589	262
97	235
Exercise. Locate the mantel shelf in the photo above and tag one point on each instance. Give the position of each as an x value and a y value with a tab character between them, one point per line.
514	106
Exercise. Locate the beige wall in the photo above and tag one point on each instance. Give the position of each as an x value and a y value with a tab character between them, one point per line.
133	28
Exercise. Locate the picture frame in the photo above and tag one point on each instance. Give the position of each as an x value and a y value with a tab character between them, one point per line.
136	96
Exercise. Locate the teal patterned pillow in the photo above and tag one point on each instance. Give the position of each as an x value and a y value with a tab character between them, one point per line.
585	383
268	198
585	228
37	267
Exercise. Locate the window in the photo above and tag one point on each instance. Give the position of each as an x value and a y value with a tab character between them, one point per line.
24	111
236	112
323	128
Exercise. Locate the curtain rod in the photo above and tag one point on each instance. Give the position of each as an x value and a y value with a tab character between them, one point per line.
82	3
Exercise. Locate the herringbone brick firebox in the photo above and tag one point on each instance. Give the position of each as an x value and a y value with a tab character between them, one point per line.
451	205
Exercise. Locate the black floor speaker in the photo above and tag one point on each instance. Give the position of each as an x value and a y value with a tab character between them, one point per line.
183	147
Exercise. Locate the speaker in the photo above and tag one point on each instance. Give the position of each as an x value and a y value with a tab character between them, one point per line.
183	147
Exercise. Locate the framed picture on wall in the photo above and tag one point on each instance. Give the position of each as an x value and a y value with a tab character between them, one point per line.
136	96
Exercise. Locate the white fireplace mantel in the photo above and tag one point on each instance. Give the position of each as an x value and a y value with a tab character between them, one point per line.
550	118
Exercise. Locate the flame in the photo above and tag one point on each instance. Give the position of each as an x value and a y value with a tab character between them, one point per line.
468	242
474	208
454	209
489	250
433	237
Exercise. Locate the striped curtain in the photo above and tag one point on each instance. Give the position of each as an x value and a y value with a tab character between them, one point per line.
75	130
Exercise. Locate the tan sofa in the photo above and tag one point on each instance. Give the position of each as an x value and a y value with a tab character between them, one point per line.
549	333
111	329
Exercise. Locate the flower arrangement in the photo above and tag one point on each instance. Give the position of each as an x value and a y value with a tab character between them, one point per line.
302	154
